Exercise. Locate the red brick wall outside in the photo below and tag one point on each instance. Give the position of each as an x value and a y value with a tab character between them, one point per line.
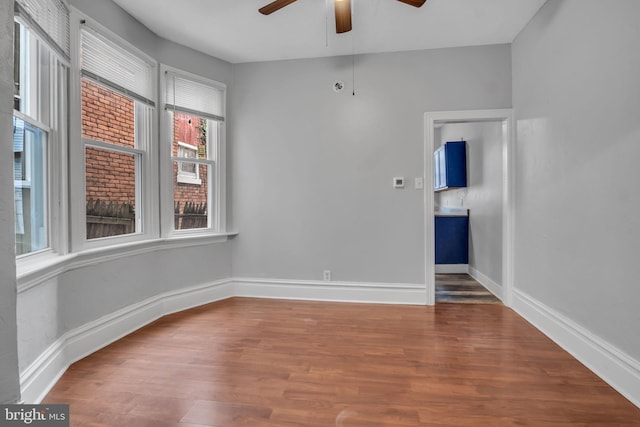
109	117
111	177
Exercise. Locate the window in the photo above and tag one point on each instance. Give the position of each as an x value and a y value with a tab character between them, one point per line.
30	164
116	91
188	172
195	114
39	124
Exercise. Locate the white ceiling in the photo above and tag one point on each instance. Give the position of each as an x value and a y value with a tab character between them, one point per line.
233	30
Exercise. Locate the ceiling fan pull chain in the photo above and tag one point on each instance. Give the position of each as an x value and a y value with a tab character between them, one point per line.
326	23
353	63
353	75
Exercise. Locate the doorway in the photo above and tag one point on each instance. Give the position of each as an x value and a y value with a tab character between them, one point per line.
503	118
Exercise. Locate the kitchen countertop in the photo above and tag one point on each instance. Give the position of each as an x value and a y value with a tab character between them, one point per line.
451	212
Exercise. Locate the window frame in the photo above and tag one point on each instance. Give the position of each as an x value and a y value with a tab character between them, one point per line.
49	115
216	162
145	129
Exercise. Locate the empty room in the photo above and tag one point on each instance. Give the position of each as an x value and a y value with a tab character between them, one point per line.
319	213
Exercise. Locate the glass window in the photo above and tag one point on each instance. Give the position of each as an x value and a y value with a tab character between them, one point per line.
194	109
30	172
113	161
188	172
39	121
191	189
116	120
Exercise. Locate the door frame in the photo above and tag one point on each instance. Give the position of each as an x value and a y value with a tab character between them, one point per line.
505	117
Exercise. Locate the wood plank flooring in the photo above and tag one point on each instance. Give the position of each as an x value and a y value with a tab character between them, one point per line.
462	288
252	362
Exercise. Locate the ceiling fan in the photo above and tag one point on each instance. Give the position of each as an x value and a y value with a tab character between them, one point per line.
342	7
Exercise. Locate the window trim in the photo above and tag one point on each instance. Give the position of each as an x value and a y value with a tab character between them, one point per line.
217	224
56	84
147	222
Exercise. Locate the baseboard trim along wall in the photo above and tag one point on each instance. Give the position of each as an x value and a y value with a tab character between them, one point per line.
486	281
380	293
451	268
41	375
619	370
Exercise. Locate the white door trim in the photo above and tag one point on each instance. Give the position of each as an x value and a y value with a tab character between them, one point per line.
431	119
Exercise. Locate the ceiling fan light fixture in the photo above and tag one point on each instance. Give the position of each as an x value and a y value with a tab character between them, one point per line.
274	6
415	3
343	15
342	9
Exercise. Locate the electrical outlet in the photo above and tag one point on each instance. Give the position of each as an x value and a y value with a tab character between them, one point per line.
326	275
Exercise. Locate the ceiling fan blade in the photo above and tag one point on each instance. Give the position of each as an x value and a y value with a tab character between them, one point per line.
343	15
416	3
274	6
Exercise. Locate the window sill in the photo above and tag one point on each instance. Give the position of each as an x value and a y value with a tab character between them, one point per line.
186	179
40	268
33	270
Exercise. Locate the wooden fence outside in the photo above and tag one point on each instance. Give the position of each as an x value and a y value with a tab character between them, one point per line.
193	215
106	219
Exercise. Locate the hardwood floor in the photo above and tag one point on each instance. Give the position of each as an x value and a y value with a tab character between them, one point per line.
252	362
462	288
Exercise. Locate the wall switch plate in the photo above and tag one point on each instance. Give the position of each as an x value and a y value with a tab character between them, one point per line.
398	182
418	183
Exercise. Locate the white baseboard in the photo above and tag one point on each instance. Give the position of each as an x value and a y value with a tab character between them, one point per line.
486	281
451	268
380	293
39	377
618	369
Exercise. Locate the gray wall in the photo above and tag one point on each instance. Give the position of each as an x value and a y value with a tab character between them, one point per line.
77	297
312	169
576	93
483	196
9	383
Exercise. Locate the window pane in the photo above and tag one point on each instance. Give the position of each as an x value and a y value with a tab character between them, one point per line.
30	185
110	192
191	199
190	179
107	116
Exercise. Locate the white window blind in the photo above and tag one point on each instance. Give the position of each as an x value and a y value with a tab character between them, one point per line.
192	97
49	18
106	62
